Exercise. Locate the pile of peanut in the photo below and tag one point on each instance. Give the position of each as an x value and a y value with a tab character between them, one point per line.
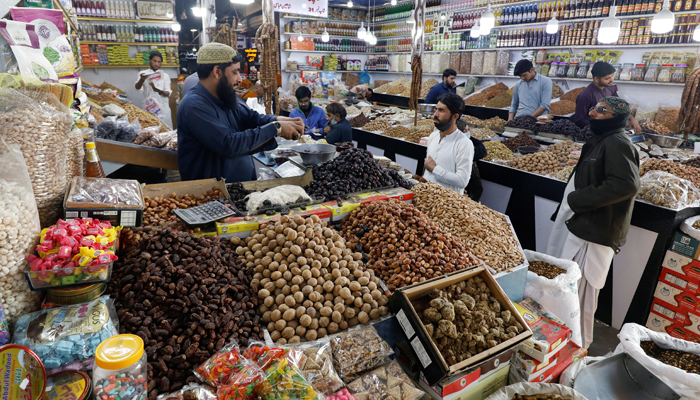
541	163
487	233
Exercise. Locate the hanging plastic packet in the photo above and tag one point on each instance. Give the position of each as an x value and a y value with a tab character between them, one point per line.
24	41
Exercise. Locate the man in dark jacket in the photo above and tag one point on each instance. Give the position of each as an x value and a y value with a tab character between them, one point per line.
338	129
594	217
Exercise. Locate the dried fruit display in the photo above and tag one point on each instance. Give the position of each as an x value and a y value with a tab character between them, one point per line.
397	132
357	351
186	297
482	133
521	140
495	150
503	100
693	162
572	94
159	210
666	190
688	362
404	246
386	382
562	107
541	163
658	128
560	127
564	174
379	124
686	172
382	88
465	319
668	117
556	91
477	99
311	284
542	268
487	233
562	150
395	89
523	122
536	397
359	121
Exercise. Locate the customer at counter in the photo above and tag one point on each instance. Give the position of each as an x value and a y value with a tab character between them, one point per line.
314	117
450	152
592	222
532	94
216	133
339	129
448	85
602	86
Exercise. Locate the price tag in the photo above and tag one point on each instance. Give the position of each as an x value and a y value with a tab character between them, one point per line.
697	147
313	8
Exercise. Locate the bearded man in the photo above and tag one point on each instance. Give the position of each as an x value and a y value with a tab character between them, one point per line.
217	134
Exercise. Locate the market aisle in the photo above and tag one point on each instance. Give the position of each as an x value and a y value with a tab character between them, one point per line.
605	339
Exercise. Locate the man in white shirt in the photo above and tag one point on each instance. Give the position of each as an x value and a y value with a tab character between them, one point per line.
450	152
155	86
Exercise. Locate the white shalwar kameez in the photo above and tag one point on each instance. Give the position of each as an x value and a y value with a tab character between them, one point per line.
593	259
153	102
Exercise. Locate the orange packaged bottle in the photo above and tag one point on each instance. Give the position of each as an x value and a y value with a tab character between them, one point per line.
93	166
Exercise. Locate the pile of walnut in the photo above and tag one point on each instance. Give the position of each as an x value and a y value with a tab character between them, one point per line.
311	283
464	320
562	150
541	163
403	245
486	232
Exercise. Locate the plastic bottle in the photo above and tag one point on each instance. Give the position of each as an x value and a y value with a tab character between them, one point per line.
93	166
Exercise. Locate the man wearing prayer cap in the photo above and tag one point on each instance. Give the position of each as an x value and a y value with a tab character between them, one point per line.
217	135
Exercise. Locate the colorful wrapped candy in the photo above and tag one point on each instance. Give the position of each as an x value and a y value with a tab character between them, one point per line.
284	381
259	353
222	366
73	252
242	386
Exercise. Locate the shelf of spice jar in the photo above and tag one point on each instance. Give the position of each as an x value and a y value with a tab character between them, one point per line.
145	21
322	19
131	43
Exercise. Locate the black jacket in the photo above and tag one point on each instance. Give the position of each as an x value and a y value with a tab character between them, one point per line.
605	184
479	149
340	132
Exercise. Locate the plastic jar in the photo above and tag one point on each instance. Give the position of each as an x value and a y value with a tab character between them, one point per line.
652	73
552	73
589	74
561	70
665	73
538	68
541	56
571	72
618	70
638	72
678	75
582	71
546	68
120	359
626	74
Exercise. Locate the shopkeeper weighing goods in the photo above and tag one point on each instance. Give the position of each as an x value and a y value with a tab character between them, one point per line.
314	117
592	222
155	86
602	86
450	152
448	85
532	94
339	129
217	135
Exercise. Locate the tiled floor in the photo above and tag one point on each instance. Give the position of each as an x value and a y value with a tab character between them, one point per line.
605	340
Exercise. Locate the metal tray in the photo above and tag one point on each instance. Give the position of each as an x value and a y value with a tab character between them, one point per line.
621	377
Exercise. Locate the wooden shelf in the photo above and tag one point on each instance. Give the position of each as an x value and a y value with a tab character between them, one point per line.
130	43
145	21
128	66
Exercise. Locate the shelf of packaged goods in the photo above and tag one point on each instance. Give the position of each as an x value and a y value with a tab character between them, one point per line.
332	21
294	34
145	21
130	43
330	52
598	46
521	3
128	66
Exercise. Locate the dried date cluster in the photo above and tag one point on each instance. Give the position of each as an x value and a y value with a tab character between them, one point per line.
486	232
686	361
465	319
158	210
352	171
404	247
186	297
310	283
523	122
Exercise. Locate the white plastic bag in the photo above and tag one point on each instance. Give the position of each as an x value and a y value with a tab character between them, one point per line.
508	392
687	227
568	377
685	384
558	295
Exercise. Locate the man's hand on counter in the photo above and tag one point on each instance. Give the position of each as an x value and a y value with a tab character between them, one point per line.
292	128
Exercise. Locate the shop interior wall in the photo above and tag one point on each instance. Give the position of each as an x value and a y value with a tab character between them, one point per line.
125	78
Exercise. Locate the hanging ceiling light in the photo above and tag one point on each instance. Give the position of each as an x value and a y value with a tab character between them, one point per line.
372	39
553	25
300	38
176	27
197	11
488	20
476	31
325	37
696	33
609	31
393	2
362	32
242	1
350	3
442	17
663	21
411	18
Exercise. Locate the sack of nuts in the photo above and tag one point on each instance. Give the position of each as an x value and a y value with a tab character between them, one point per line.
41	128
536	391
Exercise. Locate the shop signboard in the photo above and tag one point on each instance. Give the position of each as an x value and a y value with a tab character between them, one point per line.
155	9
311	8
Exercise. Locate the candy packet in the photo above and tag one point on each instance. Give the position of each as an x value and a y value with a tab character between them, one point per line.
222	366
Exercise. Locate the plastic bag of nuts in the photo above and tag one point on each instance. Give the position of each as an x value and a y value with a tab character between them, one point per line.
666	190
41	129
191	391
536	391
316	363
18	235
357	351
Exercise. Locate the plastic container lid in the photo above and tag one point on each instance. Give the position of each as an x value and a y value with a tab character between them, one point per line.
667	65
644	65
90	145
68	385
119	352
25	364
681	65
